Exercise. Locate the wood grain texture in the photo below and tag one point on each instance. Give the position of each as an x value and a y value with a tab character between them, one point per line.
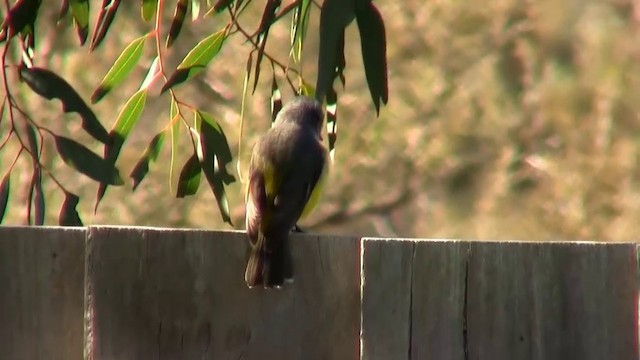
41	293
158	294
553	301
499	300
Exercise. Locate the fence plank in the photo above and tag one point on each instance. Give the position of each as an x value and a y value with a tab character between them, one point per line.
181	295
41	293
498	300
553	301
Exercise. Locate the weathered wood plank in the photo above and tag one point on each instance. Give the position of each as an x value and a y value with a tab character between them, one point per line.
412	299
41	293
552	301
181	295
490	300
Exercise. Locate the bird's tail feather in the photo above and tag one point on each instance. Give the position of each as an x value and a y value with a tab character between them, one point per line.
269	267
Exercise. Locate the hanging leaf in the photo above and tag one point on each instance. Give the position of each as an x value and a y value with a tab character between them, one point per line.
276	99
120	68
268	15
177	22
68	213
22	16
150	155
197	59
306	89
128	117
105	18
36	198
374	53
214	154
149	9
195	9
5	187
85	161
175	132
80	12
332	121
299	24
49	85
335	15
64	10
189	180
154	70
220	6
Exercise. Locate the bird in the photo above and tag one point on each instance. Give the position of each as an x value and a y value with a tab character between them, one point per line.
286	175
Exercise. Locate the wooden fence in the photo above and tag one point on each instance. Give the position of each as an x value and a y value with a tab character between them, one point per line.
143	293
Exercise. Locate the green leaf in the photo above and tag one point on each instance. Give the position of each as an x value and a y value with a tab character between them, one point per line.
154	69
85	161
335	15
128	117
105	18
149	9
197	59
177	22
5	188
189	177
80	12
195	9
120	68
68	213
220	6
374	53
214	154
306	89
150	155
299	25
175	132
49	85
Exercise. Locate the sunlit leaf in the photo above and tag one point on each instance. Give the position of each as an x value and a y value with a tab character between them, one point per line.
335	15
149	9
128	117
150	155
178	21
276	99
189	180
80	12
214	154
332	120
197	59
105	18
49	85
85	161
154	69
68	213
195	9
5	187
374	53
120	68
299	24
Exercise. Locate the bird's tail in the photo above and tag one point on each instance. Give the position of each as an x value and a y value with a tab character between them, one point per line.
270	263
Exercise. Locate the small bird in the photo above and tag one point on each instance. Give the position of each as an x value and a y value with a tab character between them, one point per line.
286	176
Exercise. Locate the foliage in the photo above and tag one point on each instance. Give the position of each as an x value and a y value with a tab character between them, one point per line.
211	153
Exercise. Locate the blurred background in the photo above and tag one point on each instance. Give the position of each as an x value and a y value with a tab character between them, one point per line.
506	120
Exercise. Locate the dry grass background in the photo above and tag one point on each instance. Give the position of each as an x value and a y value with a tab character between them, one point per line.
507	120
